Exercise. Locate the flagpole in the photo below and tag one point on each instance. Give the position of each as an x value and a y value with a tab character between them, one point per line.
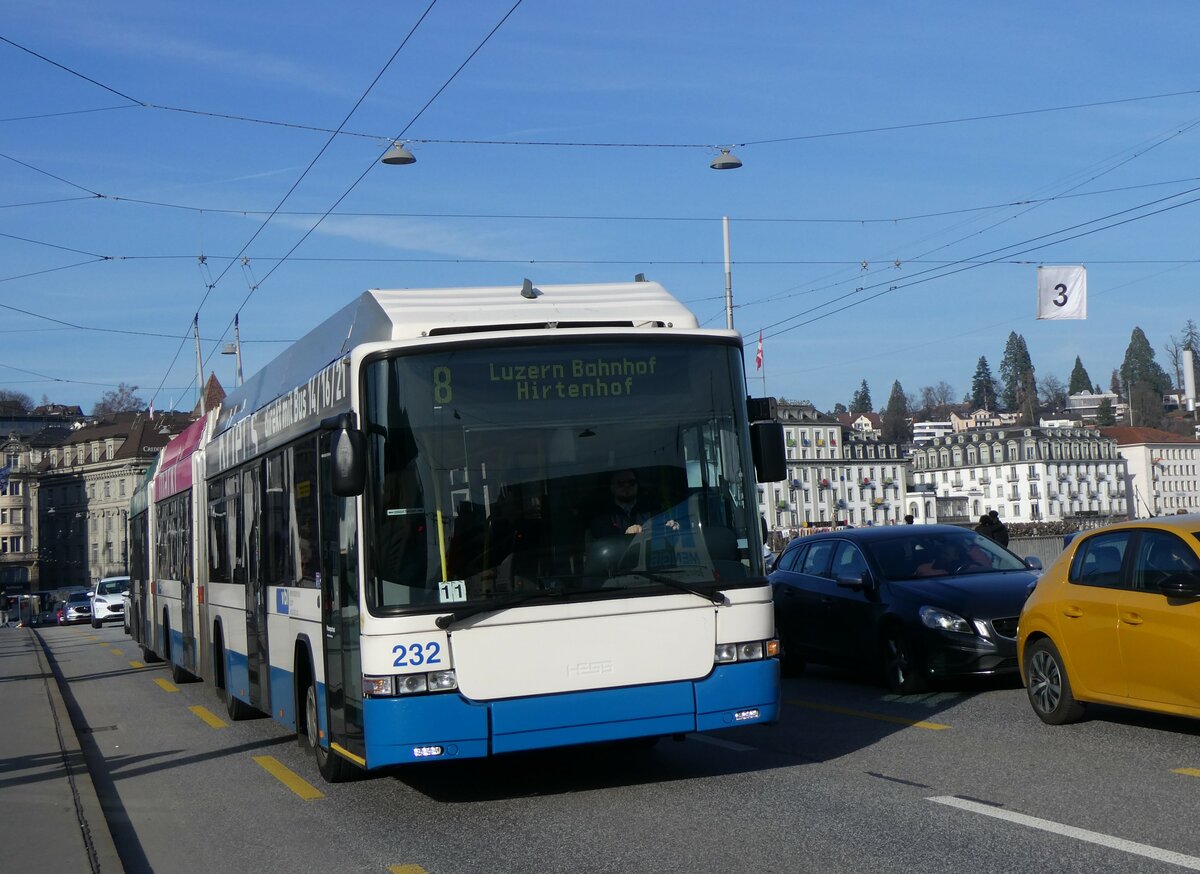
760	361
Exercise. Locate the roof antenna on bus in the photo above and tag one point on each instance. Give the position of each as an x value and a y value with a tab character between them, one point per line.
528	291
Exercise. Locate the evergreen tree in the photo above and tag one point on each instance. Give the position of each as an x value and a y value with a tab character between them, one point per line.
1114	383
838	408
1105	415
861	402
1079	381
1018	383
1145	381
983	387
894	425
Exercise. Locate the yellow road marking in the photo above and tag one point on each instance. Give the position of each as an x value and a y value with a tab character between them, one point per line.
288	777
1189	772
166	685
136	665
116	651
407	869
209	717
92	637
863	714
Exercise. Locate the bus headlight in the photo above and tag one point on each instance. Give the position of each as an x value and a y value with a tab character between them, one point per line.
442	681
409	684
747	651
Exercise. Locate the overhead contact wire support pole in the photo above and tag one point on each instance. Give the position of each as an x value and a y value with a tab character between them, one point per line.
728	276
237	345
199	362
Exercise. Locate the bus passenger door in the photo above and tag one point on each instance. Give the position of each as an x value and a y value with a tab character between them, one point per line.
340	612
187	580
256	593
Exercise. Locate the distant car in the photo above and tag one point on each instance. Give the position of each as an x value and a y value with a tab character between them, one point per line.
77	608
1116	620
913	602
108	600
58	613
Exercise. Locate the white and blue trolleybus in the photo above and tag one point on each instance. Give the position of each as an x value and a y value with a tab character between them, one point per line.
449	523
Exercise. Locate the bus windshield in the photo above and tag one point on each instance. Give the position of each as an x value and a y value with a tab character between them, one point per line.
603	469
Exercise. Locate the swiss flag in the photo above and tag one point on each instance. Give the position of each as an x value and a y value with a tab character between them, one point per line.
758	355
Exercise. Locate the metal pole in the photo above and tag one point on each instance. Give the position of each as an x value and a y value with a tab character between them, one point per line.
199	362
728	276
237	348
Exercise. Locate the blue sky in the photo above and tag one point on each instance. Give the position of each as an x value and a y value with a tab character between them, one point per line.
834	109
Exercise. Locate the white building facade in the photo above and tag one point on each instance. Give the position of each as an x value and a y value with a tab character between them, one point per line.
1026	474
1164	470
836	476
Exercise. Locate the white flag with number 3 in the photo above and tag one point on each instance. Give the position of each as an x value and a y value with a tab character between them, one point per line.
1062	293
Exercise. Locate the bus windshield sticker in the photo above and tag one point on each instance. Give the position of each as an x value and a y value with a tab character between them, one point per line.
452	591
406	511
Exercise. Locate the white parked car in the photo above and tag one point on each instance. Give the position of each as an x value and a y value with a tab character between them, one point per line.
108	602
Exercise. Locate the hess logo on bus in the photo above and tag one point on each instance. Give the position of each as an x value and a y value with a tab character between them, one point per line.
588	669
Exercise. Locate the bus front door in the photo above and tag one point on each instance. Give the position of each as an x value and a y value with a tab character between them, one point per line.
340	613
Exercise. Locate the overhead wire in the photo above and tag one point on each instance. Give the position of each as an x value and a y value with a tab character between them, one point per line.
979	261
372	165
289	192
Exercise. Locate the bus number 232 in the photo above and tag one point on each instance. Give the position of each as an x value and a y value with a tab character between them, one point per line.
417	654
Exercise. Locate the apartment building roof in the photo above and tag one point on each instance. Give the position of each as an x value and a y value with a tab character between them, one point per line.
1128	436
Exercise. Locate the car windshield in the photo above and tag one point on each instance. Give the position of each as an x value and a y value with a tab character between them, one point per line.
110	587
934	554
77	598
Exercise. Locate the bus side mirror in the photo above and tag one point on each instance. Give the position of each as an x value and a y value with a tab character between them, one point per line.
766	445
348	451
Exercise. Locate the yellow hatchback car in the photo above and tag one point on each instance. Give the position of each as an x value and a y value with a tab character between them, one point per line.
1116	620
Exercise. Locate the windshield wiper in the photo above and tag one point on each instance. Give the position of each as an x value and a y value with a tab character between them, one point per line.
709	595
444	622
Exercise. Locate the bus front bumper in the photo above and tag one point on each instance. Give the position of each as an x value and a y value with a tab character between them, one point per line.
448	726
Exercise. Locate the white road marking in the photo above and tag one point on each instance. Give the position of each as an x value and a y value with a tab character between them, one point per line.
1192	863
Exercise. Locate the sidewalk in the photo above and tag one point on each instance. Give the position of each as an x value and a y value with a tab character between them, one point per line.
50	817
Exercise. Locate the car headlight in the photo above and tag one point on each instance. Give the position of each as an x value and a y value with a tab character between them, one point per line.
944	620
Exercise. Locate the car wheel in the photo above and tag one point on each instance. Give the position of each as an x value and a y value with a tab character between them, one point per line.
1048	687
900	669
